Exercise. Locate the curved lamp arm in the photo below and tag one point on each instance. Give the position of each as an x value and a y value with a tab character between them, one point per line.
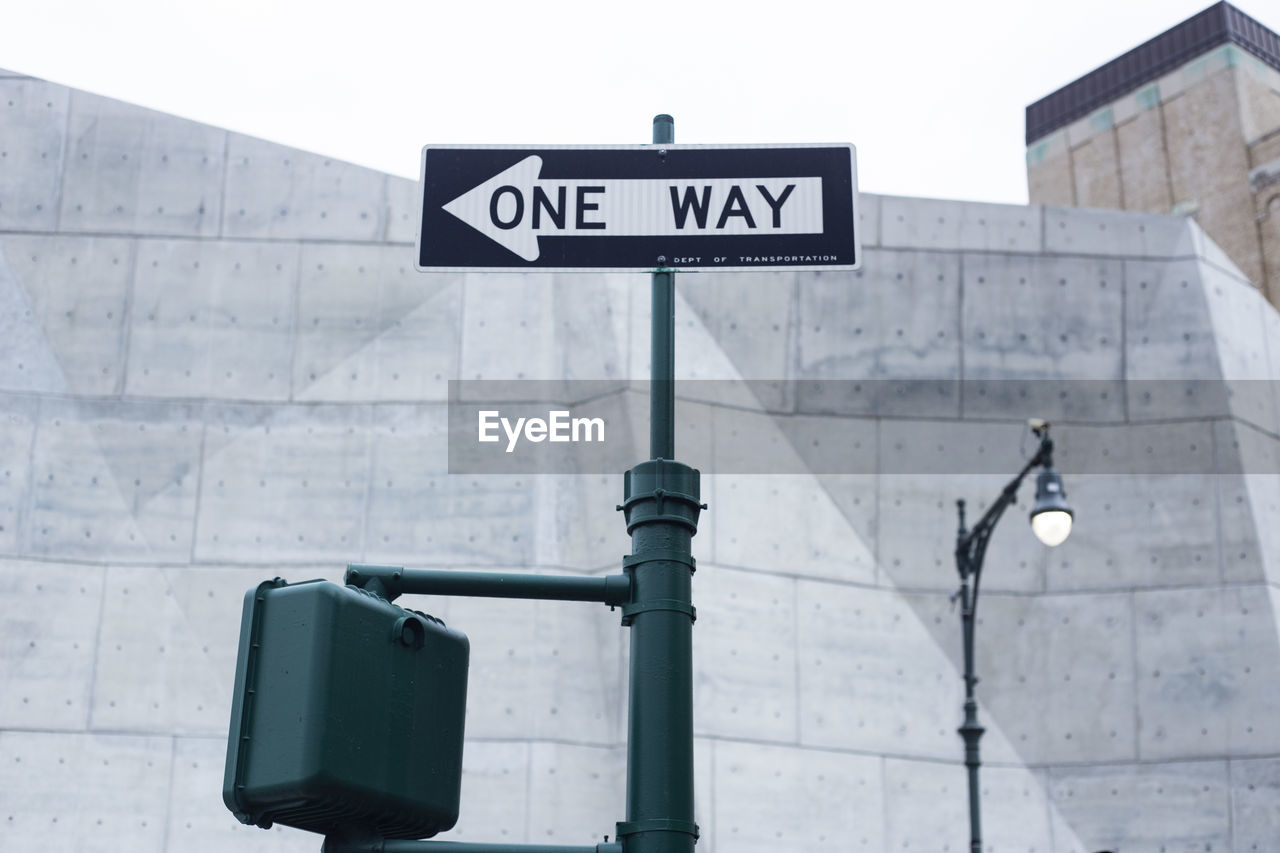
971	545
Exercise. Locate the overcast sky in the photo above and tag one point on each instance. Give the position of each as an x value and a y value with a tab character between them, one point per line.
933	94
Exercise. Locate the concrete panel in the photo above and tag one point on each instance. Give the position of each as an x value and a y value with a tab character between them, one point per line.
1015	809
1248	506
35	117
697	429
199	822
27	362
898	319
1057	675
578	525
419	514
871	676
1169	338
546	327
1135	808
1037	318
404	210
940	618
920	223
856	496
835	449
751	318
789	525
869	215
773	798
47	636
1205	659
78	292
1152	521
131	170
495	793
926	806
413	359
17	431
703	785
280	193
1097	171
1138	531
1255	803
579	697
745	655
1144	166
372	328
576	793
503	670
167	648
1237	311
1082	231
75	793
283	485
212	320
539	669
114	480
918	518
747	442
1248	491
917	525
1264	497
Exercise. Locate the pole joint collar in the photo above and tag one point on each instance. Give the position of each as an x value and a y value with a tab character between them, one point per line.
632	827
630	611
662	490
630	561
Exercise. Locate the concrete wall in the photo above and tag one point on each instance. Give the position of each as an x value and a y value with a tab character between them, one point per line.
217	365
1202	140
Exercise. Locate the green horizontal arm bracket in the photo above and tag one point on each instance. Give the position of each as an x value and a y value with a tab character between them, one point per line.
391	582
334	845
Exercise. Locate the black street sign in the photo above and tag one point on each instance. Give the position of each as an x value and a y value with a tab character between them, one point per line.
642	207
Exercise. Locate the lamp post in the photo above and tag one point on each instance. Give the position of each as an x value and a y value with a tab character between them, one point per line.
1051	522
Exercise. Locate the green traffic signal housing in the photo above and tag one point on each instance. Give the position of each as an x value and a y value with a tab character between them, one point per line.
347	716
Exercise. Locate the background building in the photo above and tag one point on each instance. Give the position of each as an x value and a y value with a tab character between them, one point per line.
1187	123
217	365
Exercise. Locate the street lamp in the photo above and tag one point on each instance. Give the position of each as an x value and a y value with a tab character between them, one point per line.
1051	522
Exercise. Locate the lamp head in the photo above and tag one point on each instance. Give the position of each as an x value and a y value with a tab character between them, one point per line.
1050	516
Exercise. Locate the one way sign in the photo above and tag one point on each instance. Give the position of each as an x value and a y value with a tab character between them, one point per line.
559	209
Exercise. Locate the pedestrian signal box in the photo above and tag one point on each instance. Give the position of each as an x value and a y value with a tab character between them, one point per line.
347	715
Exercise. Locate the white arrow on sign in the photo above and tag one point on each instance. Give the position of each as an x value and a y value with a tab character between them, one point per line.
515	207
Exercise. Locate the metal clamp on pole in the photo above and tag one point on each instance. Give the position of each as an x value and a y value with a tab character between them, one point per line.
626	828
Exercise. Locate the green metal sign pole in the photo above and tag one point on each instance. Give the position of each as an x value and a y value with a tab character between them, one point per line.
662	400
661	503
